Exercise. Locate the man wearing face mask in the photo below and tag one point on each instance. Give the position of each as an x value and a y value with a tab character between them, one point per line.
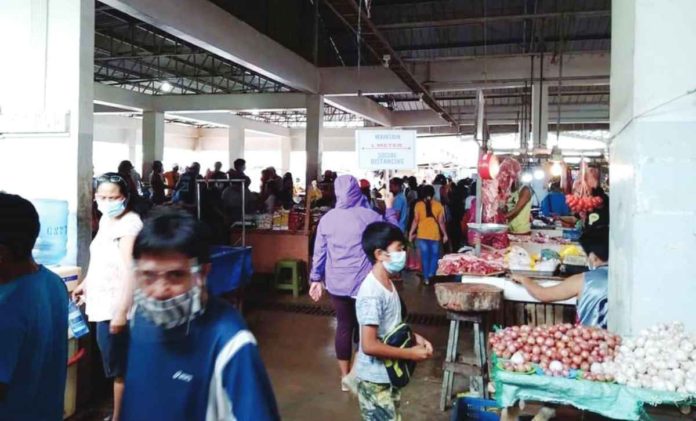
108	285
191	356
590	288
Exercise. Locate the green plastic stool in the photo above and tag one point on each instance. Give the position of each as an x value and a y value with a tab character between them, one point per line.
295	283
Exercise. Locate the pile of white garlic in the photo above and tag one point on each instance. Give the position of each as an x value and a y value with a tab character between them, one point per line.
661	358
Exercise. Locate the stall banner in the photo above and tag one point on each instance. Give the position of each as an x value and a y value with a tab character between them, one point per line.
386	149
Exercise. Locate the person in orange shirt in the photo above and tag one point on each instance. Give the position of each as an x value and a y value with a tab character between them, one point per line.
428	228
171	179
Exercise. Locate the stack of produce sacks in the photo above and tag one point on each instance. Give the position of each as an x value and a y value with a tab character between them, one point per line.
660	358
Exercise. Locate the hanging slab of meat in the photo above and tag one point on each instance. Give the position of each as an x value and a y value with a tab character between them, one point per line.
468	297
489	191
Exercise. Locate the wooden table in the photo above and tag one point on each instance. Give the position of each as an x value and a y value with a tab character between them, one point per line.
270	246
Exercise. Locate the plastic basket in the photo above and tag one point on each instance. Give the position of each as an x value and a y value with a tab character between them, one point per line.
475	409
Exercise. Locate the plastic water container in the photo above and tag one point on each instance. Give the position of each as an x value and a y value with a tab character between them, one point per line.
52	244
76	321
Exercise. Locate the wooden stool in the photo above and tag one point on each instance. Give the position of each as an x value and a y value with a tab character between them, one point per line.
477	370
295	283
468	303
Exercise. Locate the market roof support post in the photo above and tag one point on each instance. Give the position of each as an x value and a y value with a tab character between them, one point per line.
315	123
236	143
47	99
652	165
540	114
153	140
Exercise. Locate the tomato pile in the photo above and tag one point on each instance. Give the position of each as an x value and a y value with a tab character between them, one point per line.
579	204
556	350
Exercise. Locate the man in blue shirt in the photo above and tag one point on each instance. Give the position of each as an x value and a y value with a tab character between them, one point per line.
400	203
191	356
33	321
554	204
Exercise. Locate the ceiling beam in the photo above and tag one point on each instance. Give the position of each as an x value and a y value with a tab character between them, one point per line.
230	102
492	19
231	120
467	74
122	98
362	107
204	24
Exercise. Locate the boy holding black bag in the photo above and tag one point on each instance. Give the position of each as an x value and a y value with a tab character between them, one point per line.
388	348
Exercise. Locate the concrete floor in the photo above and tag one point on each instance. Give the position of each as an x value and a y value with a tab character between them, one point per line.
299	354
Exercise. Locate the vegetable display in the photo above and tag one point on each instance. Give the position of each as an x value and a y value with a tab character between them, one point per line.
579	204
559	350
582	201
660	358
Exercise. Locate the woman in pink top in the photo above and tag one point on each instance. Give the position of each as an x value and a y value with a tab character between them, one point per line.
108	286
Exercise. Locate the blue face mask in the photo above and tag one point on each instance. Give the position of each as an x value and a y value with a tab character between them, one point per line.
396	263
111	208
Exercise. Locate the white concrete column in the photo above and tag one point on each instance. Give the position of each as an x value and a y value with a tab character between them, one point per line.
315	124
153	140
285	149
540	114
57	98
236	143
653	164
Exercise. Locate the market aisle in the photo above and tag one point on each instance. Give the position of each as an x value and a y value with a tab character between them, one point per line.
298	352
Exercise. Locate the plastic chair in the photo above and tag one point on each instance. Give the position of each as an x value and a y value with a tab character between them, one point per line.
295	283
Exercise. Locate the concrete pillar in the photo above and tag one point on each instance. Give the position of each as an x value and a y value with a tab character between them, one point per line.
285	149
540	114
47	119
153	140
315	124
236	144
652	164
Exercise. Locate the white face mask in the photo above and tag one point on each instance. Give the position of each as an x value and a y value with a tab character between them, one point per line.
111	208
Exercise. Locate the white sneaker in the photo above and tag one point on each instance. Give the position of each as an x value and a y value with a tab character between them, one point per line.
350	384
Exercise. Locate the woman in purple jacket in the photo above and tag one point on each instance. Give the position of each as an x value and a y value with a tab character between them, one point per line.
340	264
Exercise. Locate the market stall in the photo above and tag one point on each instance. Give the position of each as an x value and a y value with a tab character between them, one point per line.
284	234
594	370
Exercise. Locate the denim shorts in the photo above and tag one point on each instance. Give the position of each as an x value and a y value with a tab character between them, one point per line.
114	350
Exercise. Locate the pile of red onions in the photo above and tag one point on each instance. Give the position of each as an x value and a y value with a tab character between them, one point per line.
556	349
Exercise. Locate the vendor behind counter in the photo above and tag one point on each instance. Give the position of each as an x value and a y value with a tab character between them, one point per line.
590	288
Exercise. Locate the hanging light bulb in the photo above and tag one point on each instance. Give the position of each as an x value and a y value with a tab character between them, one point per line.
166	87
539	174
526	177
556	169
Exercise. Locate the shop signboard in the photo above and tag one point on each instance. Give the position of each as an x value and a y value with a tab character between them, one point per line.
386	149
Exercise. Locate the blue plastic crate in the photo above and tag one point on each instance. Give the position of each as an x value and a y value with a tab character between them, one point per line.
474	409
231	269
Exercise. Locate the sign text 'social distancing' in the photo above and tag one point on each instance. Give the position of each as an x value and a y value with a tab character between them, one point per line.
386	149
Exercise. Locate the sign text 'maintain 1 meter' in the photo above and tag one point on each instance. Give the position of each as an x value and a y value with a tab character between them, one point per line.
386	149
